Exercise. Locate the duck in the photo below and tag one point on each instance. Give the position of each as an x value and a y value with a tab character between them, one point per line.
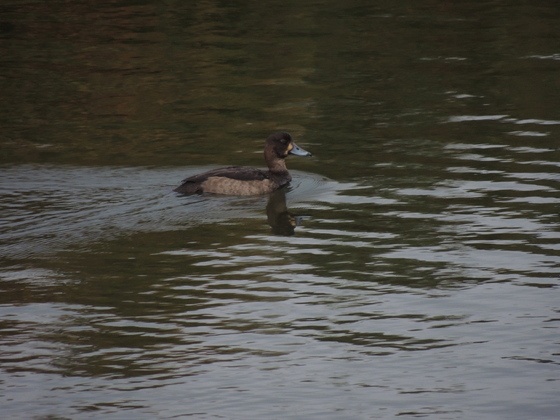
241	180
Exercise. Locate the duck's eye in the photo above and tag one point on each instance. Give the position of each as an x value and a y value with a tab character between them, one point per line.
283	141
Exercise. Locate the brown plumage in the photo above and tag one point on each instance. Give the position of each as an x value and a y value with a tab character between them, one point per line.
240	180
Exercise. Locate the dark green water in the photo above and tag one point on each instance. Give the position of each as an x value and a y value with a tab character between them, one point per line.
421	280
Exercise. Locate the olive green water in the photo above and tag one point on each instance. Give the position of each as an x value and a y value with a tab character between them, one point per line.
411	269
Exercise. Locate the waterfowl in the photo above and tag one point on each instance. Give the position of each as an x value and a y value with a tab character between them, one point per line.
241	180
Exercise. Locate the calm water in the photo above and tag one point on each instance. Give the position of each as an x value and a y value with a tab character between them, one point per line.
410	270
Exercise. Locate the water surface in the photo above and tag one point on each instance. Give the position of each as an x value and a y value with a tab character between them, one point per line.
410	269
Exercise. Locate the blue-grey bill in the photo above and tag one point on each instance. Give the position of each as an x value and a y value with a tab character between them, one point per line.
296	150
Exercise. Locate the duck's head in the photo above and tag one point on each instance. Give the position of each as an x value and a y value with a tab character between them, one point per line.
281	145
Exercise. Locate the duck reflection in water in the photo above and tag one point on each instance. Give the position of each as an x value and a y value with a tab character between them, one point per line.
280	219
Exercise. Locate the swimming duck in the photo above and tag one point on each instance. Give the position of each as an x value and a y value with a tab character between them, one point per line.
240	180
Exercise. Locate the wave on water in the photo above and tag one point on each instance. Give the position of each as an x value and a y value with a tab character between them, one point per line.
47	208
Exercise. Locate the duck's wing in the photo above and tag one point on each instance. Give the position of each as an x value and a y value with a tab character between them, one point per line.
240	173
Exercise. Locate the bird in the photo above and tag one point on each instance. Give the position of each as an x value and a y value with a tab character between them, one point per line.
242	180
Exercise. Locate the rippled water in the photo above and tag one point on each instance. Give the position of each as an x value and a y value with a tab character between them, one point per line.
410	269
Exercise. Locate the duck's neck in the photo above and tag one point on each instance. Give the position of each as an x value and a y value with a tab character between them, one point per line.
277	169
277	165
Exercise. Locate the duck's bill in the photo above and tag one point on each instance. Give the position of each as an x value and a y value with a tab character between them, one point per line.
298	151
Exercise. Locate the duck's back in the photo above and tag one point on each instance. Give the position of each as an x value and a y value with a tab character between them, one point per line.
232	180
